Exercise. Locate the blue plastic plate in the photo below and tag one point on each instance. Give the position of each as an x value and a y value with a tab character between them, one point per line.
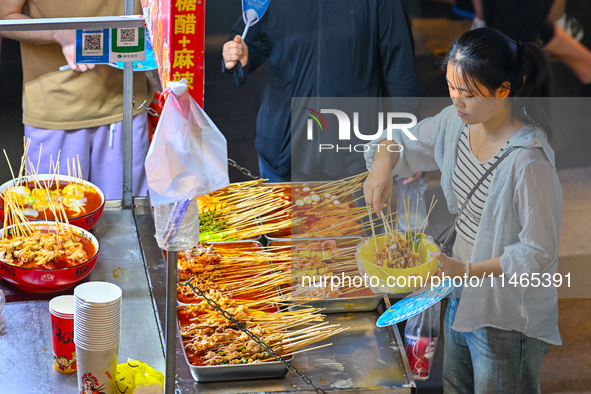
413	305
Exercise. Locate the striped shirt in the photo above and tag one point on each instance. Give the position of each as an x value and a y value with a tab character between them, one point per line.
467	173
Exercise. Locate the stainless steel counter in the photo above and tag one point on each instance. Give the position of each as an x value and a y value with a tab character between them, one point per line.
25	343
363	359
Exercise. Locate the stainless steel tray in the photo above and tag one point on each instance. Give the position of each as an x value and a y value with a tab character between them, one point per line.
219	373
348	304
364	303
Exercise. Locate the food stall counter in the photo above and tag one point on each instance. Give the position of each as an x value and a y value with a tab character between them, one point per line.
364	358
26	360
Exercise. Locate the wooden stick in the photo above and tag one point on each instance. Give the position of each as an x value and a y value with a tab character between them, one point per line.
9	166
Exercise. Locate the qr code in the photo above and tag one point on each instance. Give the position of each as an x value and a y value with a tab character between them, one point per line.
92	44
127	37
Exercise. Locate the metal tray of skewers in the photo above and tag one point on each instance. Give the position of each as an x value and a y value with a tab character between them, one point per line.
244	280
242	371
320	259
324	209
204	258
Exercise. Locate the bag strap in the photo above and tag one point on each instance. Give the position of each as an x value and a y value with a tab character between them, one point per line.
485	175
452	227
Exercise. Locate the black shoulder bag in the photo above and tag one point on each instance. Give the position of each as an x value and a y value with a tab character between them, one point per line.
445	241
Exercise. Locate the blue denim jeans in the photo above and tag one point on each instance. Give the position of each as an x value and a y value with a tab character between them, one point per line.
268	173
490	360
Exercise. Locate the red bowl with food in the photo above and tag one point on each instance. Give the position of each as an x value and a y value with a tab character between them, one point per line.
47	260
83	201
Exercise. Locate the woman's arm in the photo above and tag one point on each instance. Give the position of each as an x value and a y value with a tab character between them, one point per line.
396	153
453	267
537	202
378	185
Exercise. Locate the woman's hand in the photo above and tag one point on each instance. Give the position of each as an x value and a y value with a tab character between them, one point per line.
378	184
450	266
234	51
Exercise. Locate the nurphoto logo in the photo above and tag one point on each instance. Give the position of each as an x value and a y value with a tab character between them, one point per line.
388	121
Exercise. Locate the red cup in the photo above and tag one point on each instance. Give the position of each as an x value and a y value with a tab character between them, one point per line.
62	333
420	352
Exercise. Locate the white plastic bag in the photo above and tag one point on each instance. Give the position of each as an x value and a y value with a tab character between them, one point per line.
408	195
188	156
421	334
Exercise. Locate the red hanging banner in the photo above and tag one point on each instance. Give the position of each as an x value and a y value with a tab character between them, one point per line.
177	29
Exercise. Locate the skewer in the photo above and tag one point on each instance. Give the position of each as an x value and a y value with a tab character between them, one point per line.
373	232
39	158
79	170
431	207
9	166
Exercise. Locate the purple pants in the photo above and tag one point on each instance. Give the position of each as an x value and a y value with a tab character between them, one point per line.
100	151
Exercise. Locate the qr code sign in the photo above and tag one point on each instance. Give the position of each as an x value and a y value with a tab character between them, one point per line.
127	37
92	44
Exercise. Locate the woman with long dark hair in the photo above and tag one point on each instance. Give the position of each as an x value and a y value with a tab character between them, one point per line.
498	326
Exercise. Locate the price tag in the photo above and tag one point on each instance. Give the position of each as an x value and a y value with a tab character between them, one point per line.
128	44
92	46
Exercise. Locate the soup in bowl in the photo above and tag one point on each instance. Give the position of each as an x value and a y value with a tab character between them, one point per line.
82	201
49	258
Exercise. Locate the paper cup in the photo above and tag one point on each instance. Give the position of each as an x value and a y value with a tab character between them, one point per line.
62	330
96	370
98	293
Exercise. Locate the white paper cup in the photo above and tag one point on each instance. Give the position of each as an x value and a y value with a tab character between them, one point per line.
98	293
62	306
97	348
115	319
96	329
96	369
96	338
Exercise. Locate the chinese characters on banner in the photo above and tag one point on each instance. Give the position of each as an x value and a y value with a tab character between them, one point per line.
177	28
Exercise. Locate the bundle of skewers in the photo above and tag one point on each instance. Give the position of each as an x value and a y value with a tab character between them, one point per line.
37	196
400	250
211	339
314	263
24	244
327	209
243	280
327	196
240	271
243	211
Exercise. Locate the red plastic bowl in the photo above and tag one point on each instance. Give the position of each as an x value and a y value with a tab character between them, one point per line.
85	221
44	280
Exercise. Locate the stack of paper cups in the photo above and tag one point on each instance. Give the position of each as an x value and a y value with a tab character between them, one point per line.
97	334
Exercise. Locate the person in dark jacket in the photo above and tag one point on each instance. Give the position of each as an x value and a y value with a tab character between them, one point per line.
320	48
